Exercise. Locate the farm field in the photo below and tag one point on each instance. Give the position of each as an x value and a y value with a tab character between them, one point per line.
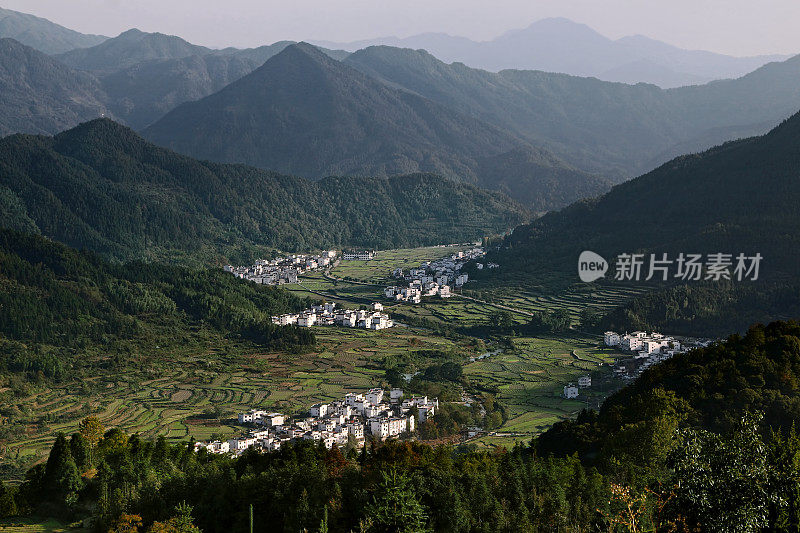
529	380
194	388
196	395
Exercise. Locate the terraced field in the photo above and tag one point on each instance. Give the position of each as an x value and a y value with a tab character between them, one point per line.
385	261
530	378
181	398
194	389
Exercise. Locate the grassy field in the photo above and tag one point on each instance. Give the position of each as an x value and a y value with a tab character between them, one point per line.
36	525
175	393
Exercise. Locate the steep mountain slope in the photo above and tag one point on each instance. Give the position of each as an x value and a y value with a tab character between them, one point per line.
612	128
40	95
740	197
42	34
306	114
560	45
101	186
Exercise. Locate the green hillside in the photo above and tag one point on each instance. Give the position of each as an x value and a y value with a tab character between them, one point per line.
40	95
740	197
100	186
63	311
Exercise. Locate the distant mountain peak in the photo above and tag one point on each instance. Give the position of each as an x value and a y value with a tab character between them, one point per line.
133	32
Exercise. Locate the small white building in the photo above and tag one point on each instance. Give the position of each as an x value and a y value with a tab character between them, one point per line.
318	410
584	382
570	391
611	338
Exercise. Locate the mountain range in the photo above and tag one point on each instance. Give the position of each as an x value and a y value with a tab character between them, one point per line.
545	139
102	187
305	113
561	45
613	129
42	34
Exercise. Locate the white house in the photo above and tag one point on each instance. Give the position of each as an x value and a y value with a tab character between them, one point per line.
584	382
374	396
570	391
318	410
611	338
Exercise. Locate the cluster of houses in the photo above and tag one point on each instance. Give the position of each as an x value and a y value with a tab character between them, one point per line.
350	419
572	391
326	314
647	349
432	278
283	269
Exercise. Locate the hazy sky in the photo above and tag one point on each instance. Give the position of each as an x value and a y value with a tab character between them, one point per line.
738	27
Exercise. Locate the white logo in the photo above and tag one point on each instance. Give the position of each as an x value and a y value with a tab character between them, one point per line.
591	266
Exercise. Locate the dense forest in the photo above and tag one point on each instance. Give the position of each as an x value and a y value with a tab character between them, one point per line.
102	187
62	310
703	442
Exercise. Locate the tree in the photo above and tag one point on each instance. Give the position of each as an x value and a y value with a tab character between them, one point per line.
394	508
8	504
92	431
722	480
501	319
61	478
181	522
81	453
126	523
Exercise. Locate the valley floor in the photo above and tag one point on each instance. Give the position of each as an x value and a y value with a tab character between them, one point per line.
193	390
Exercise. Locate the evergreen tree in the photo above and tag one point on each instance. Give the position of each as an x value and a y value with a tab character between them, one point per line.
394	508
61	477
81	453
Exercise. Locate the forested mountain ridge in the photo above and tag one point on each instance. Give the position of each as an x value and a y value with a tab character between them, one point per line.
100	186
40	95
42	34
616	129
307	114
740	196
142	93
130	47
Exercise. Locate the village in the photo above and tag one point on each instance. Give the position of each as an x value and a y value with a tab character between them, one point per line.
326	314
282	270
433	278
348	421
647	349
